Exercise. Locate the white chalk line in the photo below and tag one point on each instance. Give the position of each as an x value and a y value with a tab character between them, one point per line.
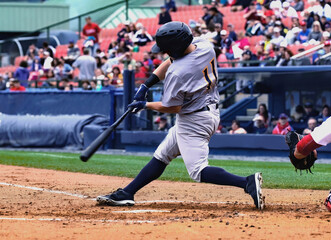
76	220
44	190
141	211
138	202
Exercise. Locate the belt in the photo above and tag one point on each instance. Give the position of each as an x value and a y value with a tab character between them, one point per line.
205	108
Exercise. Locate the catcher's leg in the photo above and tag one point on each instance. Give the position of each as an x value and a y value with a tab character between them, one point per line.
327	202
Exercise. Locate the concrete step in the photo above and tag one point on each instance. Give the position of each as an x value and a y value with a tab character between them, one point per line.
251	111
242	118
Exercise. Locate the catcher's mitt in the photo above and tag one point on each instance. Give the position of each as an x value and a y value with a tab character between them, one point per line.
292	139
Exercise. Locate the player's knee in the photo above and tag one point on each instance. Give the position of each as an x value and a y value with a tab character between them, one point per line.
195	175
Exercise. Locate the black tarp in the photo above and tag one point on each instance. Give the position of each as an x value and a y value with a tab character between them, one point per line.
47	131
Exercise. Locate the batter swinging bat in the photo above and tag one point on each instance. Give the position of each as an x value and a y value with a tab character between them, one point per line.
93	147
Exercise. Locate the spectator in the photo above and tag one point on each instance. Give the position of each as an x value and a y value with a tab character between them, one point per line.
22	73
302	61
263	111
277	38
221	128
15	85
133	29
142	38
47	62
92	29
126	44
272	125
298	114
325	114
303	35
107	64
238	5
315	35
288	11
216	16
48	49
226	45
86	85
32	51
312	123
164	16
232	33
254	28
286	59
242	41
63	70
206	16
93	85
99	75
2	83
162	122
292	36
299	5
73	53
317	57
170	5
251	14
65	85
282	126
257	125
140	71
86	65
124	30
236	129
248	56
129	62
116	76
310	111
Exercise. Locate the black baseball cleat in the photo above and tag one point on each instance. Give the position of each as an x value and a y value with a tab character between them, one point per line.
117	198
253	188
292	138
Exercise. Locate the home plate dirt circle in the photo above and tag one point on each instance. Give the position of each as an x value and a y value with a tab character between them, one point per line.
47	204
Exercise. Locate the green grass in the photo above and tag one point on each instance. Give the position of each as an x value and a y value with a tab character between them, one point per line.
275	174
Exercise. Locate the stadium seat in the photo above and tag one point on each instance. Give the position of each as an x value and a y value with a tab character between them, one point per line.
18	60
61	51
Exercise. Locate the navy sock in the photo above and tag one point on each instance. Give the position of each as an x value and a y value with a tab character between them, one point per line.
219	176
150	172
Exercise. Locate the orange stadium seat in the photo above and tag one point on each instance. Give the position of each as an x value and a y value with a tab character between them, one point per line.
61	51
18	60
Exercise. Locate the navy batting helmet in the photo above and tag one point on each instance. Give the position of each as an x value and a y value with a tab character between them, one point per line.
173	38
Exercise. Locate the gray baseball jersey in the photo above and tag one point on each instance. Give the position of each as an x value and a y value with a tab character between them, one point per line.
190	82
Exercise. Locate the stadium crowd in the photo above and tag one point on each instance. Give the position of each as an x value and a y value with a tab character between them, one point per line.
275	26
271	32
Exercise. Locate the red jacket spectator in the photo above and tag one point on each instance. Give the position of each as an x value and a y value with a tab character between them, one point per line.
282	126
15	86
91	29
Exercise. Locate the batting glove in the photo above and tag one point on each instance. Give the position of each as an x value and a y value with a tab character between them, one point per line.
137	106
141	94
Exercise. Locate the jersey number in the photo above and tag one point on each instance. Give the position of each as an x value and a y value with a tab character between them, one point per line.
210	79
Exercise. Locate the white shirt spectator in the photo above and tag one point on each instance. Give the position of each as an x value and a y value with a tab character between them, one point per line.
277	38
327	12
289	11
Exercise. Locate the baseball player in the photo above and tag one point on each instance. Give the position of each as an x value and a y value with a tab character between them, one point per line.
303	149
190	91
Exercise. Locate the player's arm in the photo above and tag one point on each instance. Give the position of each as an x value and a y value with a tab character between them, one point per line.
158	74
157	106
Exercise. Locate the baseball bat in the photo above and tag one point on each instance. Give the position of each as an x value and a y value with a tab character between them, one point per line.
93	147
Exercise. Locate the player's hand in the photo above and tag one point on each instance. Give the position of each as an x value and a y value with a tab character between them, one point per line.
141	94
137	106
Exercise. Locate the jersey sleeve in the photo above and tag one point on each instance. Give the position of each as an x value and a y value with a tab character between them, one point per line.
173	94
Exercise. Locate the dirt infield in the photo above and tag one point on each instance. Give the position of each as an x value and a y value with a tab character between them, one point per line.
46	204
